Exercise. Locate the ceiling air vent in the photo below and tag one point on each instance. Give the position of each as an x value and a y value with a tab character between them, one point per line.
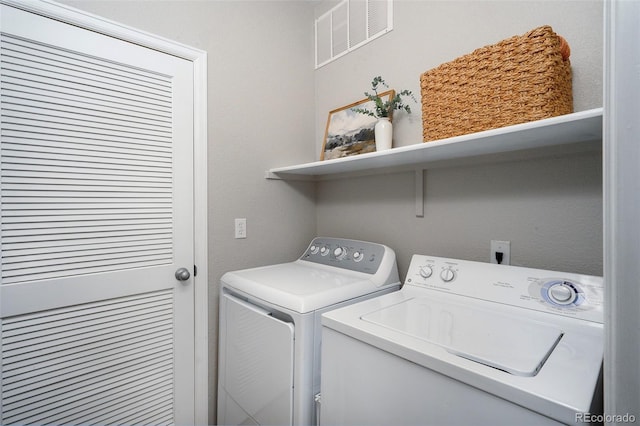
349	25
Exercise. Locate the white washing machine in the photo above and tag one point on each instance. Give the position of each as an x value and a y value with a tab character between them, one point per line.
270	324
467	343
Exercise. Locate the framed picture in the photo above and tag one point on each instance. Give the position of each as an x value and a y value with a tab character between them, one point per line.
349	132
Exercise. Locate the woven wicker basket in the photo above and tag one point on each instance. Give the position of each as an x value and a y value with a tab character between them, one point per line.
520	79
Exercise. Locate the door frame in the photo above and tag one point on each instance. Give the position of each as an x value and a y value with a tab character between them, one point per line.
70	15
621	207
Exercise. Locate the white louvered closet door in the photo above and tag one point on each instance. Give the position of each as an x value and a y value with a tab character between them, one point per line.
96	205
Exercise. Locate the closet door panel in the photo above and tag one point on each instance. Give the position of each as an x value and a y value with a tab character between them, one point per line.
96	215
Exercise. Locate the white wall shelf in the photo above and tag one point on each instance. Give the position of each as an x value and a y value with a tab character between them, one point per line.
580	131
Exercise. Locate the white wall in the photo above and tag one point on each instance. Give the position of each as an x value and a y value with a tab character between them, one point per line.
260	115
549	208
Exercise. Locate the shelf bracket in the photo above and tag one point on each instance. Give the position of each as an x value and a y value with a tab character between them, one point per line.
270	175
419	176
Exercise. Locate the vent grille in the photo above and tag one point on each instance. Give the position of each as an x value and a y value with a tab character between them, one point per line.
349	25
86	164
109	362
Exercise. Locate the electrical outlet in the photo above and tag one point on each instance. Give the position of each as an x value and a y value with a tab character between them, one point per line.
503	247
241	227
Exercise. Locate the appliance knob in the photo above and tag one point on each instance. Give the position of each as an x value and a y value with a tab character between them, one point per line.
357	256
340	252
562	293
426	271
324	251
447	275
314	249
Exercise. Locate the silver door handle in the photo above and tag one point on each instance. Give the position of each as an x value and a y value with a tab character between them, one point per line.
182	274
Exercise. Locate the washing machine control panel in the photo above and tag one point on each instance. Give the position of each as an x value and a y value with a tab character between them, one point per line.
361	256
568	294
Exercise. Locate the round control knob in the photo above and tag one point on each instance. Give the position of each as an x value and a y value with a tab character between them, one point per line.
313	249
562	293
340	252
357	256
324	251
447	275
426	271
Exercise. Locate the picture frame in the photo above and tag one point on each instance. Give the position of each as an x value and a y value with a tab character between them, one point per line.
351	133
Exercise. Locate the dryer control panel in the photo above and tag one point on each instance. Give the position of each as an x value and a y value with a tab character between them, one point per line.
360	256
563	293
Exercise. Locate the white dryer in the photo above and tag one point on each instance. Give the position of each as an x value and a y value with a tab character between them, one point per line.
270	324
467	343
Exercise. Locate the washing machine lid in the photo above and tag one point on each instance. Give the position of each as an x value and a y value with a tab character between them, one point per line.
519	346
300	286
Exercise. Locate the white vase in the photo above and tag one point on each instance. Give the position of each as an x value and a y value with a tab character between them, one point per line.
383	133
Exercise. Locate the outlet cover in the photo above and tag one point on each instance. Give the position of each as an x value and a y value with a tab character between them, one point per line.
241	227
503	247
